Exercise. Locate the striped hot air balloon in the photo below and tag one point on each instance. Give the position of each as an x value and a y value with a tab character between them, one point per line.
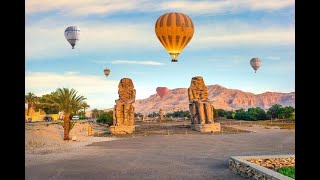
72	34
174	31
255	64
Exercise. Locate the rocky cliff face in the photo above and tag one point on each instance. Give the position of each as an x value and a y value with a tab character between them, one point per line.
222	98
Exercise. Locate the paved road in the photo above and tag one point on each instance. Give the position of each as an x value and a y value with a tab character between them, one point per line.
193	156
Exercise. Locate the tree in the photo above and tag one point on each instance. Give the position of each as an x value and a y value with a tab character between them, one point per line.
95	113
240	114
255	114
31	100
262	115
69	102
286	112
46	105
220	113
292	116
230	114
84	105
274	111
106	118
137	114
154	114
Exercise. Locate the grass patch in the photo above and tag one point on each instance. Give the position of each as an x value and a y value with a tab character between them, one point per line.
287	171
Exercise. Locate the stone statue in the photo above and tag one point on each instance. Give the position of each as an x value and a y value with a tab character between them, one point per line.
200	107
161	114
123	113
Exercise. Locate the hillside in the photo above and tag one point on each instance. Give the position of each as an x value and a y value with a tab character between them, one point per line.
222	98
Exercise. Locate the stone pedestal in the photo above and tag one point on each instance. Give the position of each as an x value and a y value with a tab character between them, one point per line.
121	129
215	127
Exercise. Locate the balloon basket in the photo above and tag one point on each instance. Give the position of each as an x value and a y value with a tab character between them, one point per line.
174	60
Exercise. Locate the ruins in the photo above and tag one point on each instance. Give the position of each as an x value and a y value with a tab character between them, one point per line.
201	109
161	114
123	112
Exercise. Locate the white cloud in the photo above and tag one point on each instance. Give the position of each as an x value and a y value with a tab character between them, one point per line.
95	37
273	58
233	33
154	63
104	7
79	7
230	6
111	36
71	73
94	88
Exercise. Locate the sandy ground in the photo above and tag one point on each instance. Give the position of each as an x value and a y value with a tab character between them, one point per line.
174	156
48	138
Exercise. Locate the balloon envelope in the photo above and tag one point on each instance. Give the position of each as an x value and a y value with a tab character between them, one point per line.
72	34
255	63
162	91
174	31
106	72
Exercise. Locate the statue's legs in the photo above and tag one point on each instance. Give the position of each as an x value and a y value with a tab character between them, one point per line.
192	112
115	115
131	116
208	112
201	113
196	113
127	114
119	114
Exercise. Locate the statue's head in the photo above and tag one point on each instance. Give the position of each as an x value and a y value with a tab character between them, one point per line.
125	83
197	82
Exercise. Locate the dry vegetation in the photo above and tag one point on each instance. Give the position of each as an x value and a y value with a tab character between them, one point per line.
282	124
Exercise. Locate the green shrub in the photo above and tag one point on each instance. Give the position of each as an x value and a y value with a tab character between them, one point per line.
287	171
106	118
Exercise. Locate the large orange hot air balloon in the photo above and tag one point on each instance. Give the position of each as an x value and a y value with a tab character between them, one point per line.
174	30
162	91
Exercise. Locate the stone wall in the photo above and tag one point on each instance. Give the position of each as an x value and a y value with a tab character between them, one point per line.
247	169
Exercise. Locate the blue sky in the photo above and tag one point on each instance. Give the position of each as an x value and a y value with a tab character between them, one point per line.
119	34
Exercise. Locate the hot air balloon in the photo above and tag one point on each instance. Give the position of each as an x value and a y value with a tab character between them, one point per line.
174	31
72	34
162	91
106	72
255	64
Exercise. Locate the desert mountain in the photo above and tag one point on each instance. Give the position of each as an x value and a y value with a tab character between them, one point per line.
222	98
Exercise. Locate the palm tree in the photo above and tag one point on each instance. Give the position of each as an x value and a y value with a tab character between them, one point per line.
31	99
95	112
84	106
69	102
